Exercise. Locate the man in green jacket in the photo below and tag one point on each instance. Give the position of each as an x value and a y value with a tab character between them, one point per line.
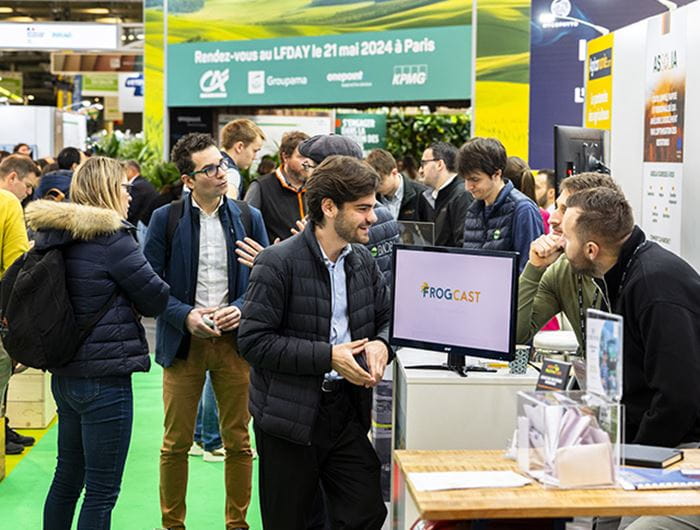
548	285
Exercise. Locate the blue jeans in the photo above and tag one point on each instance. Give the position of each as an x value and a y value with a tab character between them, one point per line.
206	430
95	417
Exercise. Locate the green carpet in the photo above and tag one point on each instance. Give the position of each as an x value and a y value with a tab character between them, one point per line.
22	493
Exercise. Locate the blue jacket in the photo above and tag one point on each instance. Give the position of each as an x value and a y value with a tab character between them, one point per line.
512	222
102	257
180	271
59	179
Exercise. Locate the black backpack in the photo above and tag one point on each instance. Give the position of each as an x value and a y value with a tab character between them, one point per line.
37	322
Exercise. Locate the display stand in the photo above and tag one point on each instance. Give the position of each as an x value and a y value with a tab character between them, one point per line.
455	363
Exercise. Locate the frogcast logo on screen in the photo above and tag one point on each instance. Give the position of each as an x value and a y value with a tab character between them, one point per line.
454	295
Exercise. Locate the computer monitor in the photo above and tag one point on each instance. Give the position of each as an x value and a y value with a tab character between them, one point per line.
459	301
577	150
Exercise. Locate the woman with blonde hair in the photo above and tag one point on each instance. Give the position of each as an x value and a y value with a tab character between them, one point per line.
105	272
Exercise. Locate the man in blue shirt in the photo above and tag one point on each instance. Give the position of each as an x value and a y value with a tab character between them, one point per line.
501	217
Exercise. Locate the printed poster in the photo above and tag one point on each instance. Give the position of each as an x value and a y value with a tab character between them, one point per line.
664	116
599	72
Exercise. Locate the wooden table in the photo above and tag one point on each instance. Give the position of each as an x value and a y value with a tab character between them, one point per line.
531	501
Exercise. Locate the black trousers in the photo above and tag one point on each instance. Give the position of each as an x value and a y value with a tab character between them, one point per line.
340	457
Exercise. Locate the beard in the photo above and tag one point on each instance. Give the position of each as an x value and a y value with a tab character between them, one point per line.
349	232
581	265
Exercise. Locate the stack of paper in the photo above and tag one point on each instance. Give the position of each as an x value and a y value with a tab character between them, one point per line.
457	480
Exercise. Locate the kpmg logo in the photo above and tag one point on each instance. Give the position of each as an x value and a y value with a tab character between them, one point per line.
213	84
450	295
256	82
410	75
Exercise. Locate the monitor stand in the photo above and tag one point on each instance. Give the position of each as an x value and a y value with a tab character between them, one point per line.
455	363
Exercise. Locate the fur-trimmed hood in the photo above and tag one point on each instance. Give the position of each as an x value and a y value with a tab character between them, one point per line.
79	221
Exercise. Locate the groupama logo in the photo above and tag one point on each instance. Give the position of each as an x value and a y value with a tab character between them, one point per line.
452	295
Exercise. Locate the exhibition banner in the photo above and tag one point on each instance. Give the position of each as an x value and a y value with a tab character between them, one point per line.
368	130
559	31
664	116
599	72
398	65
100	84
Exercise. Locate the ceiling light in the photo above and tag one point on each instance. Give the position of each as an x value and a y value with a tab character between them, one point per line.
94	10
30	97
108	20
19	19
4	10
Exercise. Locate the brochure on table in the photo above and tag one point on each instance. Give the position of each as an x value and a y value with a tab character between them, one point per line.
573	439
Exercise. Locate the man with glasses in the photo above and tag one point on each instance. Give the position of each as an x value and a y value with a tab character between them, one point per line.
280	194
445	202
190	244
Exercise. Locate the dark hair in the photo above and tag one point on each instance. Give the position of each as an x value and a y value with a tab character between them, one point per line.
339	178
185	147
4	154
551	177
481	154
587	181
20	164
133	164
445	152
67	157
605	215
290	141
48	168
409	167
382	161
266	165
16	147
519	173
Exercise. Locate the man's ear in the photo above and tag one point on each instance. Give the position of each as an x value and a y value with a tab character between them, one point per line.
592	250
497	175
329	208
394	172
238	146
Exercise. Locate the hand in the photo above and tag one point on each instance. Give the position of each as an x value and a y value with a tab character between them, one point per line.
227	318
343	361
377	356
247	251
197	327
301	224
545	250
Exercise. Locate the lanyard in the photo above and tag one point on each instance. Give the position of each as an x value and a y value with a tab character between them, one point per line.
606	299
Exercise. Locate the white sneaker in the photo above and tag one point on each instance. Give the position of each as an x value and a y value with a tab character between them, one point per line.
196	450
217	455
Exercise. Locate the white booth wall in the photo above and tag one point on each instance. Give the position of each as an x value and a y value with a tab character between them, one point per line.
627	129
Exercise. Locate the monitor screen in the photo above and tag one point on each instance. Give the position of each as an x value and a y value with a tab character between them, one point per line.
458	301
577	150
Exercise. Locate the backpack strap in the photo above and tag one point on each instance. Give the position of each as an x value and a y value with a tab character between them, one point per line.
90	324
246	216
175	212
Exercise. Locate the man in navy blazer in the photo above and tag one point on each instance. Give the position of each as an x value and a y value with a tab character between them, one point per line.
198	330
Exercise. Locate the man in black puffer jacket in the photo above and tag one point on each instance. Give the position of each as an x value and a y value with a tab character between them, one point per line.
316	310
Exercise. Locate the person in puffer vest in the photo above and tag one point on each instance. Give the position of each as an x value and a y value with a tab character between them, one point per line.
501	217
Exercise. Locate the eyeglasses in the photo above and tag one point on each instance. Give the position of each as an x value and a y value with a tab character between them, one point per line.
423	162
308	166
212	170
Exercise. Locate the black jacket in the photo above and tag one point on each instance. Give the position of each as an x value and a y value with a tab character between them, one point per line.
281	204
285	330
412	191
142	195
448	213
660	303
103	257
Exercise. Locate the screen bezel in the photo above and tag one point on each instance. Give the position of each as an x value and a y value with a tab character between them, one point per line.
452	348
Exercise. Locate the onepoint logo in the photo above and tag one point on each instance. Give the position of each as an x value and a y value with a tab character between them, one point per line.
213	84
451	295
256	82
410	74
